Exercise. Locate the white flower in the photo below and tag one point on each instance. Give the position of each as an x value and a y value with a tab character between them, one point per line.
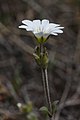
19	105
41	28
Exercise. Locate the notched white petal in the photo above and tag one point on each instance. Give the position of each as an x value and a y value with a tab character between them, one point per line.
37	22
59	27
26	27
45	22
27	22
37	26
58	31
44	25
29	29
54	34
53	25
23	26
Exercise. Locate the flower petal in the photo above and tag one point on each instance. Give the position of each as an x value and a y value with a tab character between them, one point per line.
49	28
53	25
44	23
26	27
27	22
57	31
29	29
23	26
41	28
59	28
37	26
46	35
38	35
37	22
29	25
54	33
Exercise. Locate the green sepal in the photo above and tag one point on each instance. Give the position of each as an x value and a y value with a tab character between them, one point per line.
41	58
41	40
37	50
45	111
54	106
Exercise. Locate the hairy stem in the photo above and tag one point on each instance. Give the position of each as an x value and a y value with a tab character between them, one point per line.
45	83
46	88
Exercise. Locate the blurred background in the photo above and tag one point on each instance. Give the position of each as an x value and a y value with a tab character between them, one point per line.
20	77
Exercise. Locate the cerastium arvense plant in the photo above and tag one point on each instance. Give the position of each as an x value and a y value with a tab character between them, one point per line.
42	30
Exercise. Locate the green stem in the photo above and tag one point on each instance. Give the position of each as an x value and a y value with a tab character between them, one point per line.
45	83
46	89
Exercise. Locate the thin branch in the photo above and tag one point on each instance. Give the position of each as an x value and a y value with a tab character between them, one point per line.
65	94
